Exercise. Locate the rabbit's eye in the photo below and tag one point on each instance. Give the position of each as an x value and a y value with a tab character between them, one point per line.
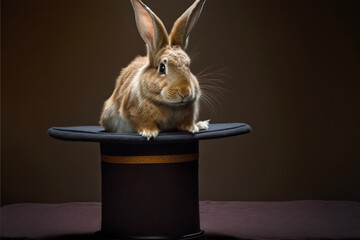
162	68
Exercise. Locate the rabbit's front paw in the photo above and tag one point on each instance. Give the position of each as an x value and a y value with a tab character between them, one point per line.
203	125
193	128
149	133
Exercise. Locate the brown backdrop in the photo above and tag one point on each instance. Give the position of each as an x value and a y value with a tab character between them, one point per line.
290	69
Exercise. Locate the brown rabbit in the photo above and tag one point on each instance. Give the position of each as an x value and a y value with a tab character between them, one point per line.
157	92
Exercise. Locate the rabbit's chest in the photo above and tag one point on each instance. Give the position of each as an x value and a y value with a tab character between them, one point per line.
172	119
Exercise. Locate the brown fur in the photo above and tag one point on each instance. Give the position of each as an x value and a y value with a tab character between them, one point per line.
146	101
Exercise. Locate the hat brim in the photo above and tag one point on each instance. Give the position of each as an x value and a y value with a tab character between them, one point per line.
98	134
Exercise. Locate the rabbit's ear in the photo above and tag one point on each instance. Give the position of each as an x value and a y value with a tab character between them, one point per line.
150	27
184	24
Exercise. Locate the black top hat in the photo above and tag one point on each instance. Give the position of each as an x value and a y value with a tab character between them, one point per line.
149	188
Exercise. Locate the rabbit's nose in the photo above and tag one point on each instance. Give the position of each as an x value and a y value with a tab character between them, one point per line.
183	93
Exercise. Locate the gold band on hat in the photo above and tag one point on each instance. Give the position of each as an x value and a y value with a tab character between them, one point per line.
158	159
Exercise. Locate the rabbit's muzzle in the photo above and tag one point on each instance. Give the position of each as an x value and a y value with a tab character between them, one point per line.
184	93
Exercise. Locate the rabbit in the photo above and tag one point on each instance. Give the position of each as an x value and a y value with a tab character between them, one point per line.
157	92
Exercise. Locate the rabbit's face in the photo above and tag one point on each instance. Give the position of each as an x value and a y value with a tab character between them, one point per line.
167	78
178	85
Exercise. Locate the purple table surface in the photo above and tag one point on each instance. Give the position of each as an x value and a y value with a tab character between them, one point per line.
310	219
